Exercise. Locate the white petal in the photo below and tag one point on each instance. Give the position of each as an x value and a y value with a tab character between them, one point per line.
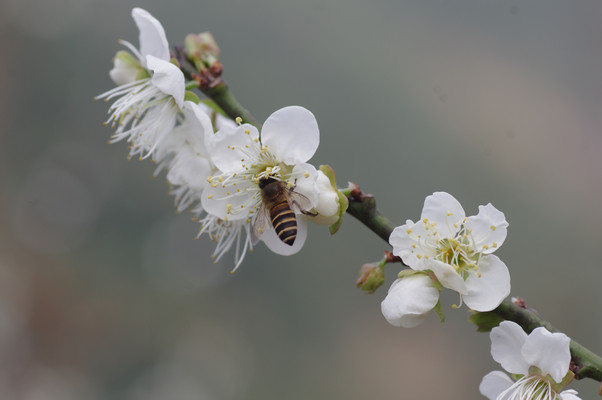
549	352
487	292
220	120
405	245
444	210
188	169
507	341
200	127
123	73
190	136
569	395
494	383
152	35
168	78
447	275
488	228
291	134
305	176
327	206
409	301
219	200
227	147
274	243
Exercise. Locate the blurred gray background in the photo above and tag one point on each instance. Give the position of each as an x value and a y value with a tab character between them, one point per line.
104	294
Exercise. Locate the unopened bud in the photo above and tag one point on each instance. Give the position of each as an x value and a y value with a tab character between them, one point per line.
371	277
202	50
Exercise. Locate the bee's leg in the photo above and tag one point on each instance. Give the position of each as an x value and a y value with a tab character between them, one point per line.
311	214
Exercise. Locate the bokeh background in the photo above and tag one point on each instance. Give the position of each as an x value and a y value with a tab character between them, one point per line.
104	294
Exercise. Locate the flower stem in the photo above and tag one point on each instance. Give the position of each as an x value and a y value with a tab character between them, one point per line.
586	363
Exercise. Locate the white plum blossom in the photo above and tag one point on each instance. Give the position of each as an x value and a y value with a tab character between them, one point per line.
409	301
289	138
541	358
146	109
457	249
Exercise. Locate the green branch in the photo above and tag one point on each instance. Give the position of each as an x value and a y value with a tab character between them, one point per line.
226	101
362	206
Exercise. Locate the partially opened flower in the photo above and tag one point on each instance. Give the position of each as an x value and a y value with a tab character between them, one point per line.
457	249
129	67
409	301
541	360
248	163
151	94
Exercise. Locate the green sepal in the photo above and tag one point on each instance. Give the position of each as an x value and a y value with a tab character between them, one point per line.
343	201
191	96
568	378
409	272
404	273
436	284
175	62
485	321
212	105
132	62
142	74
516	377
439	311
127	58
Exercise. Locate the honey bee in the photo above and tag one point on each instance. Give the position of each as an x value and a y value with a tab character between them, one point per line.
278	202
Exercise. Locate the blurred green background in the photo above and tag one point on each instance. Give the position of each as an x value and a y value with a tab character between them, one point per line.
104	294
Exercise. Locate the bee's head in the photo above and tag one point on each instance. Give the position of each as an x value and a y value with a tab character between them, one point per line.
263	182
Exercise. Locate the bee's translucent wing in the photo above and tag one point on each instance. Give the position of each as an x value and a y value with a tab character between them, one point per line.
298	202
262	221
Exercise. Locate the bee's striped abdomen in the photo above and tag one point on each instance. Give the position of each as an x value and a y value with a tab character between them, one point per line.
284	222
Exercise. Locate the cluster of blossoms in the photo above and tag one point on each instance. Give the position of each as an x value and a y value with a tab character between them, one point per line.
447	249
246	186
215	166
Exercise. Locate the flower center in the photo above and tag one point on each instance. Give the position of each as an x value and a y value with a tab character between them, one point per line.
458	252
530	387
